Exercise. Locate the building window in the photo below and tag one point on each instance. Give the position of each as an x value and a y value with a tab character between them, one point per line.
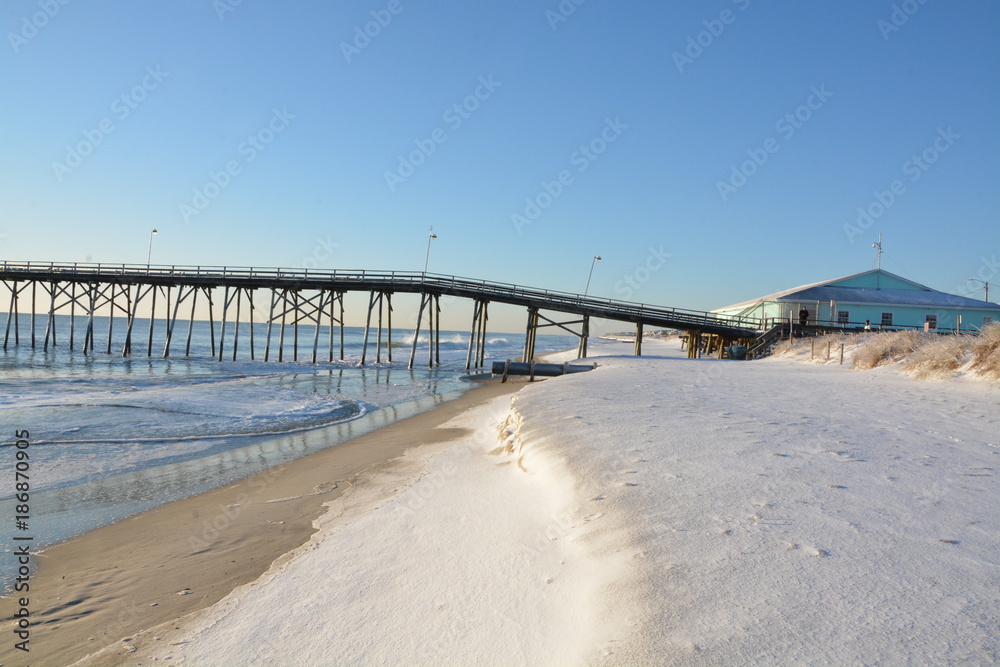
886	319
931	321
843	316
987	320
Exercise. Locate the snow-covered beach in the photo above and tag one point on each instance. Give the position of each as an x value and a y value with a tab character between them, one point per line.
657	510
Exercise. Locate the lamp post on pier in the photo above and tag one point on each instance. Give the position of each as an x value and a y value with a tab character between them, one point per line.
596	259
430	237
149	253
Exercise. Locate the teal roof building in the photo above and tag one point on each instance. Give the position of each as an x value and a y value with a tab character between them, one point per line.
885	300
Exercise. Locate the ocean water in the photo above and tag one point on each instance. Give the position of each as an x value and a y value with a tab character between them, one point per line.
111	437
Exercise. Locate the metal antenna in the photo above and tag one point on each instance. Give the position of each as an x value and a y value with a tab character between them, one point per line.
878	252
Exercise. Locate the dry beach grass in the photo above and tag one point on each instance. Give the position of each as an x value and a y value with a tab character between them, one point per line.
920	354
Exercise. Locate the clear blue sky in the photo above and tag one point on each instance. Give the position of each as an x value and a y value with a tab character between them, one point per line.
117	112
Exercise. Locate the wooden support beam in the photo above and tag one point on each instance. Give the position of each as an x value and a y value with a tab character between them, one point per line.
133	313
50	319
437	329
11	312
172	316
222	329
329	342
249	291
281	331
473	340
72	313
416	331
341	299
152	320
378	338
211	319
368	326
638	339
108	293
88	339
236	322
388	331
32	314
295	325
529	335
270	321
430	331
194	301
17	328
319	312
485	318
693	344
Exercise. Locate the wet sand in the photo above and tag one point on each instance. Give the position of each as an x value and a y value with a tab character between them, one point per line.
108	584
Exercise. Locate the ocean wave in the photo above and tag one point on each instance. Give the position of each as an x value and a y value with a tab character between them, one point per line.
178	411
349	410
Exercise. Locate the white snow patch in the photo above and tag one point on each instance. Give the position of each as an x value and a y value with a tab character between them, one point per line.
453	555
657	510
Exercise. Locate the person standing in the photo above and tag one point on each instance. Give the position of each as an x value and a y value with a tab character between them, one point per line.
803	316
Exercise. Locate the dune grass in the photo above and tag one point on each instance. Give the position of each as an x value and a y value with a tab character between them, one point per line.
926	355
986	352
920	354
888	347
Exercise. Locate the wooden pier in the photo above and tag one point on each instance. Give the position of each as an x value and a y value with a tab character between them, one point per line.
313	298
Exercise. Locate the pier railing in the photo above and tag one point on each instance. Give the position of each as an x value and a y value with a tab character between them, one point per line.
401	281
312	297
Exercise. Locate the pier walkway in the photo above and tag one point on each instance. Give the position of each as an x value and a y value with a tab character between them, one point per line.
312	297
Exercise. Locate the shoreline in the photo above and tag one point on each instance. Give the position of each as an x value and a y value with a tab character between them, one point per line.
159	566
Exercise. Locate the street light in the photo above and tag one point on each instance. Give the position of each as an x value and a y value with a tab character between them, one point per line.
431	236
597	258
985	284
149	253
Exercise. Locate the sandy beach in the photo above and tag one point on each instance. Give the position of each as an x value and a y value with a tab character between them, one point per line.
656	510
113	582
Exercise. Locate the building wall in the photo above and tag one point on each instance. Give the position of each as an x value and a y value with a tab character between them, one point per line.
825	312
902	316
